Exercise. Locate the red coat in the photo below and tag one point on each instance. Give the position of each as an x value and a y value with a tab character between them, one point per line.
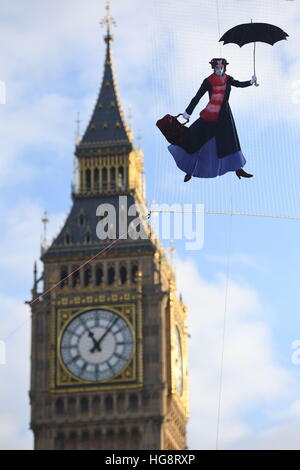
224	128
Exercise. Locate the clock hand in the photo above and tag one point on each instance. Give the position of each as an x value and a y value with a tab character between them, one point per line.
107	331
92	336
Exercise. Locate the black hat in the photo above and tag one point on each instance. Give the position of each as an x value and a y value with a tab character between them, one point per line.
214	61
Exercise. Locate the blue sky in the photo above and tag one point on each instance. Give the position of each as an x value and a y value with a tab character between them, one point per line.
52	56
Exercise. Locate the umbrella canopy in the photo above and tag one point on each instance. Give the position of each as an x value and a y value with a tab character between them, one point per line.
253	32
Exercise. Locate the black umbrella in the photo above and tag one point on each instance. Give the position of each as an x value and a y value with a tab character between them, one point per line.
253	32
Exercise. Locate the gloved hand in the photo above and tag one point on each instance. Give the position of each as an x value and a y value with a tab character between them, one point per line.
253	79
186	115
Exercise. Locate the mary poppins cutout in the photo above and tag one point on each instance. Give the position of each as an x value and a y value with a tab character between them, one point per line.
211	147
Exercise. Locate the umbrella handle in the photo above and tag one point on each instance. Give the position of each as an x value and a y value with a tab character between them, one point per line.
256	84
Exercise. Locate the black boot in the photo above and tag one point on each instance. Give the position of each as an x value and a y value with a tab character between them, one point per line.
241	173
187	178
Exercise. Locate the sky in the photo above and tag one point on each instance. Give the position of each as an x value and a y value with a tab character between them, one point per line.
52	56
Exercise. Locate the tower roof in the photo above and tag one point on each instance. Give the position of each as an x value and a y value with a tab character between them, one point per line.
107	127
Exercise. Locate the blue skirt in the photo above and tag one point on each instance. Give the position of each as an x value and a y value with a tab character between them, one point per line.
204	163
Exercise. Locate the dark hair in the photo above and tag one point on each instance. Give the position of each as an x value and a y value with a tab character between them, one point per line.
214	61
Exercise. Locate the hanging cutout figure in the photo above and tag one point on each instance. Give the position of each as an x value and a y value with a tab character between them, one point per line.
211	146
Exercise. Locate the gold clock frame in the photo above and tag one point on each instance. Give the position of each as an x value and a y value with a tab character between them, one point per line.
177	319
131	376
177	331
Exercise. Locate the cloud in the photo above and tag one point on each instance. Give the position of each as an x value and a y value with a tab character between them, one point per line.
242	259
253	378
15	375
282	436
21	238
47	83
20	242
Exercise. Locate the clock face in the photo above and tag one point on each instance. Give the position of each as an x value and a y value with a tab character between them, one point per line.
96	345
178	361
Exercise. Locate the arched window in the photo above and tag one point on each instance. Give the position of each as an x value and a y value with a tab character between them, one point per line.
134	270
81	181
112	178
104	179
109	404
111	276
133	402
71	405
120	402
87	237
63	275
99	276
96	405
75	276
96	179
84	405
87	276
88	180
81	219
121	181
59	406
123	274
67	238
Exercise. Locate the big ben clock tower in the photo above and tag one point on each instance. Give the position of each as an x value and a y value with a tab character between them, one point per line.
109	343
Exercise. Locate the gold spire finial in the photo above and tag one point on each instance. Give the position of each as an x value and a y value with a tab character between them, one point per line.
45	221
109	21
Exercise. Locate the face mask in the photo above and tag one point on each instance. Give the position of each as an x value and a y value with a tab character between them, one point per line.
219	72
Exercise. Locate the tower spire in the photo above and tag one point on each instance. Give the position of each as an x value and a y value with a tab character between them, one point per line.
107	127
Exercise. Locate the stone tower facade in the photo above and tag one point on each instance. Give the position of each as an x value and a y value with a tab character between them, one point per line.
109	343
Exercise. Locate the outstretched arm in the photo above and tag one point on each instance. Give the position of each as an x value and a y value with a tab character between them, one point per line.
241	84
202	90
238	84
